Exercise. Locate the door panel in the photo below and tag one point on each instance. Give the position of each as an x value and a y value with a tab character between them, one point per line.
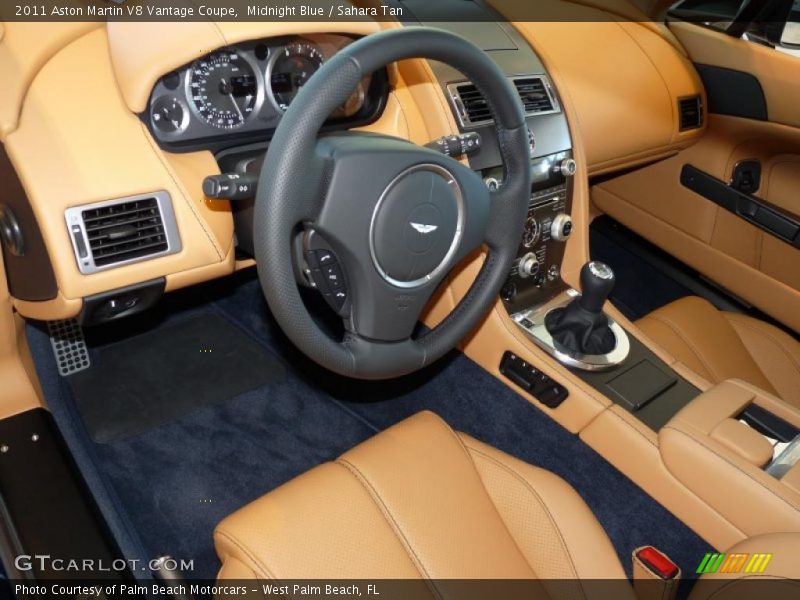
752	263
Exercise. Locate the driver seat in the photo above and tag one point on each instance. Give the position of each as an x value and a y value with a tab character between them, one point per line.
419	501
422	502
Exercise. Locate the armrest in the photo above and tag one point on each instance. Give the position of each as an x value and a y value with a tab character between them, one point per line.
721	460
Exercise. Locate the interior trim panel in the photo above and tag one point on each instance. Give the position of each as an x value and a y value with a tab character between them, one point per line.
733	93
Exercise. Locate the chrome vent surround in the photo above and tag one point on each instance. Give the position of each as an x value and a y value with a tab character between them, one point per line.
119	232
535	92
691	113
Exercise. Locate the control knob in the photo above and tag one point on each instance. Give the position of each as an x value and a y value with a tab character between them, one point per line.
532	232
567	167
528	265
561	228
492	183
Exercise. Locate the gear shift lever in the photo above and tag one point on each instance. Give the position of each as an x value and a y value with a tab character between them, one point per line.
597	281
581	327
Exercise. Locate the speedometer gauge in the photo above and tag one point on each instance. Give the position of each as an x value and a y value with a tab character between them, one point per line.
291	70
224	89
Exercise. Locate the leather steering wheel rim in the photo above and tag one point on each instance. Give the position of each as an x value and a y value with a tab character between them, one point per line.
294	178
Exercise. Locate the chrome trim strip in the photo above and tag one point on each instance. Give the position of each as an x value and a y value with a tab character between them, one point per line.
587	362
454	245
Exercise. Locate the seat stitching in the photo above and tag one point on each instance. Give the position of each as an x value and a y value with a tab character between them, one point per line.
468	456
514	473
677	331
393	524
200	220
246	552
775	340
734	465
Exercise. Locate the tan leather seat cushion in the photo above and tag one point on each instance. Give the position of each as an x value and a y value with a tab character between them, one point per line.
420	501
722	345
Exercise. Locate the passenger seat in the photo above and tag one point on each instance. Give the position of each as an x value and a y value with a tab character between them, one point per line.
721	345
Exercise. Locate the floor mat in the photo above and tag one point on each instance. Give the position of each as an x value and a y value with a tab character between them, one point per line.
158	376
177	480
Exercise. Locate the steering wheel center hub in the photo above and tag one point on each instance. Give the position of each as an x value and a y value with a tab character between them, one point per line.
417	225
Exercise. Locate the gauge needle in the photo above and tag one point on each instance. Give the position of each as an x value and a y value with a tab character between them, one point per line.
175	123
238	110
230	95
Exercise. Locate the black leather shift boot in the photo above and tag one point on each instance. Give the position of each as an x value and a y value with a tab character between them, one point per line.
579	331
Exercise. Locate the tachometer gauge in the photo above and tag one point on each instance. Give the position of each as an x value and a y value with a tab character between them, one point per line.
291	69
224	89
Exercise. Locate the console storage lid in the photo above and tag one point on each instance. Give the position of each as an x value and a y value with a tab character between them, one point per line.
722	460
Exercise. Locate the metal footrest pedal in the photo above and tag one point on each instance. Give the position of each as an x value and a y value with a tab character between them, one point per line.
69	347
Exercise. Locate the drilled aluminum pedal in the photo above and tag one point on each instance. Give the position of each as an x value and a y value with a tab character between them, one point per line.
69	347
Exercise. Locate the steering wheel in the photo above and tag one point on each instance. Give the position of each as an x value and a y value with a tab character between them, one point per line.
378	222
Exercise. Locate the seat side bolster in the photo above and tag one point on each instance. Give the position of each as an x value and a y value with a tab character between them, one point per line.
427	485
775	352
551	523
702	338
234	569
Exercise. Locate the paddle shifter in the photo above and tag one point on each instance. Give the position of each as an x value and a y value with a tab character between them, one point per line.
581	327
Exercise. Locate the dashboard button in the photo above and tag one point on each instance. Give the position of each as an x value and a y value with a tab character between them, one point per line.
561	228
337	299
332	274
319	280
318	258
80	246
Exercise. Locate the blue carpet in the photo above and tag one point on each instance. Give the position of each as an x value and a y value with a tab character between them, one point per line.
165	489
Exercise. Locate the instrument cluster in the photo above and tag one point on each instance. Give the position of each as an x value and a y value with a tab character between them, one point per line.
239	93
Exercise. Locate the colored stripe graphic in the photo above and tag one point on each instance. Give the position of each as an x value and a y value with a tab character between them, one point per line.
758	563
721	562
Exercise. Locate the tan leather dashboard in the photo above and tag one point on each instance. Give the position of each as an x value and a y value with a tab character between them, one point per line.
624	79
69	123
79	109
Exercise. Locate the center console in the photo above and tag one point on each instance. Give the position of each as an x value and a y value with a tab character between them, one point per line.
738	449
569	326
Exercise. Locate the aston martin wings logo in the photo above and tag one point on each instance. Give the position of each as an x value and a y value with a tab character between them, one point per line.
424	229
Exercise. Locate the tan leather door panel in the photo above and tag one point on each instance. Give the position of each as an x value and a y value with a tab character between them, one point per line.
753	264
782	182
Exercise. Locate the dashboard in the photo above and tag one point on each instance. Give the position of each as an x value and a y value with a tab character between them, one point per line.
153	128
242	91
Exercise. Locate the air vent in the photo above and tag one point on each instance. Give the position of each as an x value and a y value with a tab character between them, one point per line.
108	234
472	105
691	113
534	95
473	111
